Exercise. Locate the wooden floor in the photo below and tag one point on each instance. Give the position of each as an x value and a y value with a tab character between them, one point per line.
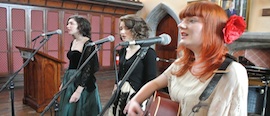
105	81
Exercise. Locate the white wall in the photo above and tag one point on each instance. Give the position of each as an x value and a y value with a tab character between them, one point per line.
257	22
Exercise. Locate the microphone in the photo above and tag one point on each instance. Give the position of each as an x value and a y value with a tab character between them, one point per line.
163	39
110	38
58	31
164	60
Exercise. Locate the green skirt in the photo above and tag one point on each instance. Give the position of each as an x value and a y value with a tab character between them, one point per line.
88	105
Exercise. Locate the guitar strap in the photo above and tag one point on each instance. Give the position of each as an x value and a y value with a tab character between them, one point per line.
212	84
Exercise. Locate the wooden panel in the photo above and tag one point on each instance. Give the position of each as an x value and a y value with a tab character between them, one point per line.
18	39
41	80
53	53
17	63
3	52
117	39
97	8
85	15
95	26
19	1
51	77
3	62
54	3
106	56
107	24
82	6
18	14
109	9
120	11
36	26
37	2
95	37
116	24
3	18
53	24
53	43
36	20
3	48
70	5
53	20
128	11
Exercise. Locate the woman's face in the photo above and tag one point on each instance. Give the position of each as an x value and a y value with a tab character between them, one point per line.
72	27
125	33
191	32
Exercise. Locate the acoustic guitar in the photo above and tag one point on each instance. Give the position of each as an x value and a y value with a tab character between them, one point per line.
160	104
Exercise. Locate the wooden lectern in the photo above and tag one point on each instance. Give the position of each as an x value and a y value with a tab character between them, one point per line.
41	78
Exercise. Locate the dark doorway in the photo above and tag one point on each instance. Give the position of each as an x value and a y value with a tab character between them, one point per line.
167	54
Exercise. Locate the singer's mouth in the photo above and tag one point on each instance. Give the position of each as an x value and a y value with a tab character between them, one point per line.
184	34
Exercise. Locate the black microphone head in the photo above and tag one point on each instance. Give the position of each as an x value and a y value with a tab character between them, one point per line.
166	39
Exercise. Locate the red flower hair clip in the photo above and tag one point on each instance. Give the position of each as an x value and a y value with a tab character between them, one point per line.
234	28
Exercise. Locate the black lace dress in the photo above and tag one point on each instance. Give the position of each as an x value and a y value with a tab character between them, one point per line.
89	103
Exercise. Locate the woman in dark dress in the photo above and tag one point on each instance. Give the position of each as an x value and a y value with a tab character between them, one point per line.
132	28
81	98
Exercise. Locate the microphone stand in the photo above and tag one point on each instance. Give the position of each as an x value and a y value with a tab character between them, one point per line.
10	80
54	100
140	55
266	81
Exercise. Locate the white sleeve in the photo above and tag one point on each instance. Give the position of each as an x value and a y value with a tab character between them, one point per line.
230	96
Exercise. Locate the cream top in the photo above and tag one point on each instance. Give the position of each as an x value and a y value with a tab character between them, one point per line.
229	97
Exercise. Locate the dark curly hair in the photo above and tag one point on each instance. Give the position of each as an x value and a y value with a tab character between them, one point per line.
137	26
84	25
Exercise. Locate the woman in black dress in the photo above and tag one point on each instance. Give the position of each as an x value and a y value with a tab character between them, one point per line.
81	98
132	28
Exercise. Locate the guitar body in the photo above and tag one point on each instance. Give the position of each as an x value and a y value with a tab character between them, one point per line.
160	104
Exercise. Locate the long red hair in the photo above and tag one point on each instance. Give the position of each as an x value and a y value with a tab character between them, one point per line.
213	47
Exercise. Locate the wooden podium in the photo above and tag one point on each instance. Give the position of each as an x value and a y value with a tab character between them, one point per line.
41	78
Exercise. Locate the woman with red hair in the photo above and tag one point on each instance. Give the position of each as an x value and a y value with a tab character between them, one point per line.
205	30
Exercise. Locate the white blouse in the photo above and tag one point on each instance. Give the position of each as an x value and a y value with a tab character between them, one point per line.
229	97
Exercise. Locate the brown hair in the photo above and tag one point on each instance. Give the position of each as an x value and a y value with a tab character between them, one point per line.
137	26
84	25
